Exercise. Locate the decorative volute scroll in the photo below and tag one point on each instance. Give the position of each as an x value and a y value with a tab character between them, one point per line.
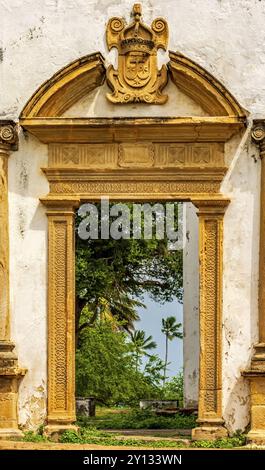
137	79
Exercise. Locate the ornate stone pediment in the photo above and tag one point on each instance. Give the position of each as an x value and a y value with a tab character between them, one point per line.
137	79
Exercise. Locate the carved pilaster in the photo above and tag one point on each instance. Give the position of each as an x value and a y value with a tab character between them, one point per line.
211	214
10	373
258	136
256	373
8	138
61	316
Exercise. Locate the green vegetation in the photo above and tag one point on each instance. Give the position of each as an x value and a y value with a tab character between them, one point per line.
238	440
113	275
140	345
138	419
31	436
93	436
173	389
171	331
96	437
107	367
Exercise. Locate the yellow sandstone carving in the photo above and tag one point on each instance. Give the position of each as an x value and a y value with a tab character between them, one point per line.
177	158
137	79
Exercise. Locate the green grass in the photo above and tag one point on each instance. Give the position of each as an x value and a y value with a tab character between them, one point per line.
92	431
31	436
96	437
93	436
238	440
136	419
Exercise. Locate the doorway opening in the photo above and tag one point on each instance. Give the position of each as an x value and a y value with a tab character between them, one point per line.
134	292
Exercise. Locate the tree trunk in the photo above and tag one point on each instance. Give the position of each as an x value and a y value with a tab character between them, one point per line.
166	356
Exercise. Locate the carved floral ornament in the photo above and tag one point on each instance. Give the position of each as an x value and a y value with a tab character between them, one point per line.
137	78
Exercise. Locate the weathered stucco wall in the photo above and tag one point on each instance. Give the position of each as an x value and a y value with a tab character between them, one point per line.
240	304
225	36
38	37
28	265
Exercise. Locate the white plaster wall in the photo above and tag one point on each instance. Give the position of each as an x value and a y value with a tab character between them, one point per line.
28	264
96	105
38	37
191	345
241	248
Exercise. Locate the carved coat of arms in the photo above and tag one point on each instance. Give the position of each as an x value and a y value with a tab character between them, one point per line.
137	79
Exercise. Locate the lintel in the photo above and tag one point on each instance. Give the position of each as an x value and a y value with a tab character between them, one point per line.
103	130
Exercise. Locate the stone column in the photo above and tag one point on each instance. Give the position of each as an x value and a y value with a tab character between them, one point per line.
61	316
211	214
10	373
256	373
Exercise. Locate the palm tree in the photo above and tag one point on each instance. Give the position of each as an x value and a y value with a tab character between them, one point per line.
123	308
171	330
120	308
141	344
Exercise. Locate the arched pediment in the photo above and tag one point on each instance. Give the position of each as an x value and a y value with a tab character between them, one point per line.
66	87
202	87
75	81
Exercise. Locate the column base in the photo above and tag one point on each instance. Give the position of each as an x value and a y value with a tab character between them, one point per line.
256	377
258	360
10	376
10	434
209	433
256	437
54	431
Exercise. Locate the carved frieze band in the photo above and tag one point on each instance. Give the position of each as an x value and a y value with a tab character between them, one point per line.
133	187
137	155
211	252
61	317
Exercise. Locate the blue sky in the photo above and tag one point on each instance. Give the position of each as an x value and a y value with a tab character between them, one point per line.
151	319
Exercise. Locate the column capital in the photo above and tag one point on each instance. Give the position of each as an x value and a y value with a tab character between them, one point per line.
9	134
211	206
60	205
258	132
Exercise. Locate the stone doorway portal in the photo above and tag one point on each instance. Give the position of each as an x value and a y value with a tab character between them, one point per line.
179	158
